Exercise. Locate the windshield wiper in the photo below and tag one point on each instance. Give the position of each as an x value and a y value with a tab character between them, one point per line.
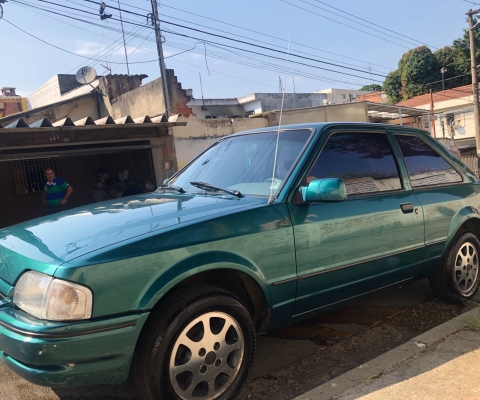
203	185
171	187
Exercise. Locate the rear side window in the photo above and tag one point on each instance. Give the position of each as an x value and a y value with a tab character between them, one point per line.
363	160
425	166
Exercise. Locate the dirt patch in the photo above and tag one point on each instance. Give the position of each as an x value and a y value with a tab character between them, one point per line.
346	339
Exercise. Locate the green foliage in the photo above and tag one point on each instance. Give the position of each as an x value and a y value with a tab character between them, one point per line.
373	87
456	63
418	67
392	86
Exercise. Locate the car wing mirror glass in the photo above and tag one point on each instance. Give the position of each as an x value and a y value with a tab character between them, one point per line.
329	189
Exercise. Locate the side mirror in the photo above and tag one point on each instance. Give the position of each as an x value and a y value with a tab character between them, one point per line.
165	181
330	189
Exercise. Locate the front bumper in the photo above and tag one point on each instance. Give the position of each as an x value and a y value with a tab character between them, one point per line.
68	354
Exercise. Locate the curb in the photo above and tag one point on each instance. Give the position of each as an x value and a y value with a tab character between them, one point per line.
376	367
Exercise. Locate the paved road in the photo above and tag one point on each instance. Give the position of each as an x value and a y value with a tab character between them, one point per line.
299	357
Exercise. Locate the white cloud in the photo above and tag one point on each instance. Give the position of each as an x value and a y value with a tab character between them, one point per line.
88	48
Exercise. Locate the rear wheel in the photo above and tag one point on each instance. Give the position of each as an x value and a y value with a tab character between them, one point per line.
457	276
200	345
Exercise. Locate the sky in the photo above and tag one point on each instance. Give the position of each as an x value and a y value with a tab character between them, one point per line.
344	43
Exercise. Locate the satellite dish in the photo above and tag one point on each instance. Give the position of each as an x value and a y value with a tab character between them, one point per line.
86	75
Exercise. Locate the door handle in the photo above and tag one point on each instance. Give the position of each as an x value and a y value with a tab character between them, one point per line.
406	208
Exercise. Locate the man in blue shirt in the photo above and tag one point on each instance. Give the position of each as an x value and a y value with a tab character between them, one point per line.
56	191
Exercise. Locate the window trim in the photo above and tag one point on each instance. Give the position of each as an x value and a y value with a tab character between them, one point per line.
361	195
396	133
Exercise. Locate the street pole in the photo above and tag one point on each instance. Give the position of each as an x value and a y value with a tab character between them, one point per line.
476	113
161	59
442	71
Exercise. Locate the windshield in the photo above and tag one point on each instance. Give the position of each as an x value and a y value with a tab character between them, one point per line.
245	163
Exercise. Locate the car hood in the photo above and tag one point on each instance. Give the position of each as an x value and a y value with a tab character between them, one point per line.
45	243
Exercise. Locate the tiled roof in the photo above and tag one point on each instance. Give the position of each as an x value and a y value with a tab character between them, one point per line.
449	94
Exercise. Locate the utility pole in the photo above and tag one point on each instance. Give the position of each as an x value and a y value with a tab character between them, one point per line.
442	71
161	59
476	113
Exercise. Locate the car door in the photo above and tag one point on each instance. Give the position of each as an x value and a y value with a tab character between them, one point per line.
373	239
439	187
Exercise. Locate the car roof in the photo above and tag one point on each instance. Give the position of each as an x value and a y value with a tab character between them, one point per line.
319	126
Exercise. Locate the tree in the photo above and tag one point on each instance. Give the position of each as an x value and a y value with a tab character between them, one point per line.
392	86
373	87
457	65
418	67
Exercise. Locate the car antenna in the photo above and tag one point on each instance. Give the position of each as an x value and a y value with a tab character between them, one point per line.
270	200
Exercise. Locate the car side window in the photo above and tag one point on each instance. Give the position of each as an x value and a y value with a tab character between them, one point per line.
363	160
425	165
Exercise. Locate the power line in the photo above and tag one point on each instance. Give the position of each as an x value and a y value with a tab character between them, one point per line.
236	48
247	43
341	23
372	23
310	76
263	34
67	51
230	33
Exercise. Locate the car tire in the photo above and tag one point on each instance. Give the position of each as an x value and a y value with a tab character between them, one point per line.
199	344
457	277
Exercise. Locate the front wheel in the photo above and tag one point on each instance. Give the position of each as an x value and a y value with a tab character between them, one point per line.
200	345
457	276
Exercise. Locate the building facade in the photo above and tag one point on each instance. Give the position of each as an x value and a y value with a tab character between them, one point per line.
10	103
255	103
341	96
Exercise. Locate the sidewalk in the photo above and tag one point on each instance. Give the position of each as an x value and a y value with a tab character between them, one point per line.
443	363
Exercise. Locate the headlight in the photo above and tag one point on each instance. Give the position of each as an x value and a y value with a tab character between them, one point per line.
45	297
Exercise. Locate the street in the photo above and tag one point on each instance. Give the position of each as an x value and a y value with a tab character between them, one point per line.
296	359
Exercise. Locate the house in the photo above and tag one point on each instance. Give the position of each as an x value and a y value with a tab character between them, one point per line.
374	97
62	87
255	103
10	103
100	159
452	120
341	96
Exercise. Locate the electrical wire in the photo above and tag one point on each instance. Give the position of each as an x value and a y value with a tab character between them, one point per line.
341	23
260	33
369	22
226	38
237	48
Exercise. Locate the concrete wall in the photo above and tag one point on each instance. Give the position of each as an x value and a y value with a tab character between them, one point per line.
145	100
199	134
273	101
50	93
352	112
75	109
341	96
148	100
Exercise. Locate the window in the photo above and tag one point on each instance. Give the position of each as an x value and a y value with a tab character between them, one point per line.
344	96
246	162
363	160
425	166
29	175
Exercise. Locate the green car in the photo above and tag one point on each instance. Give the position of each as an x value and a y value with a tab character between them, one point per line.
263	229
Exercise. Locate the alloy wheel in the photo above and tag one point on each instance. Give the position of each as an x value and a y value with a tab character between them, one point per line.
466	268
206	356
